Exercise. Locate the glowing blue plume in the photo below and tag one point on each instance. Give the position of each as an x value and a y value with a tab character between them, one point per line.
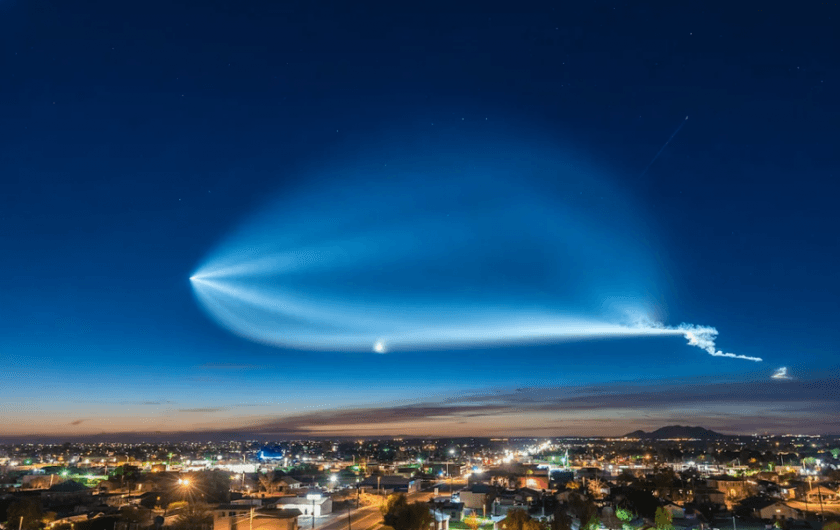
473	249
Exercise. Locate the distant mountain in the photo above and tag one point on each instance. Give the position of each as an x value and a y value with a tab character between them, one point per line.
676	431
636	434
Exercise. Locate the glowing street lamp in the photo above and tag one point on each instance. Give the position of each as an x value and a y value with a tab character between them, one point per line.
185	484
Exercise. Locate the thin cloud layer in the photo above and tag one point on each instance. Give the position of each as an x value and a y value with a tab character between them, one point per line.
779	403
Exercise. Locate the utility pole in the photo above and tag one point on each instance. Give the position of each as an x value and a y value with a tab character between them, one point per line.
819	496
806	503
251	519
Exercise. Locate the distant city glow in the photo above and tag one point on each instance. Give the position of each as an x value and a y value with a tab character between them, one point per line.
464	252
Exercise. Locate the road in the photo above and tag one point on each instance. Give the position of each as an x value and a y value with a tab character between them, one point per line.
829	509
365	518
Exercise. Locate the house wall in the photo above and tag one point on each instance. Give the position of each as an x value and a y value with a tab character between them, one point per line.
474	501
306	507
778	511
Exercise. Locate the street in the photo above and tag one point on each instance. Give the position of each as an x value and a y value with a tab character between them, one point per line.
365	518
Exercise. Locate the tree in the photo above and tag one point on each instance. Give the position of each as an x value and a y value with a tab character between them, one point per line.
519	520
625	516
473	521
135	514
642	502
663	519
126	475
214	485
194	516
29	509
582	508
267	481
392	505
626	478
593	523
149	501
595	488
398	513
561	521
533	524
663	479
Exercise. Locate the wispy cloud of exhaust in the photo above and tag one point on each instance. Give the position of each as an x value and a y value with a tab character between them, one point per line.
781	373
704	338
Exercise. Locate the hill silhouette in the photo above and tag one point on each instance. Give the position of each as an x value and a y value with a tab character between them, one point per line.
676	431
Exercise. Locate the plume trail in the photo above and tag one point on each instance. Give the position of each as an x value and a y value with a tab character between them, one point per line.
369	261
663	147
270	316
704	338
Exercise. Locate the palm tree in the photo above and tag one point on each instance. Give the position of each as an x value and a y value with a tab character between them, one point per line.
267	481
595	487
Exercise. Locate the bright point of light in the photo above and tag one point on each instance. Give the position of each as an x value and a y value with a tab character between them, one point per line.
379	346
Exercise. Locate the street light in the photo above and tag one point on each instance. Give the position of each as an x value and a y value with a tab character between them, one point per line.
185	484
313	497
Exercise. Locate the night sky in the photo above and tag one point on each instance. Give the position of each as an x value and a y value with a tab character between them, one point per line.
141	141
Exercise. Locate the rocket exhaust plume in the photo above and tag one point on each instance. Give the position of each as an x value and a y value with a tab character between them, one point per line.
468	248
704	338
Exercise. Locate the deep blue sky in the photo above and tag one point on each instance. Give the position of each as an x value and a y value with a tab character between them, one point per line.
133	138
